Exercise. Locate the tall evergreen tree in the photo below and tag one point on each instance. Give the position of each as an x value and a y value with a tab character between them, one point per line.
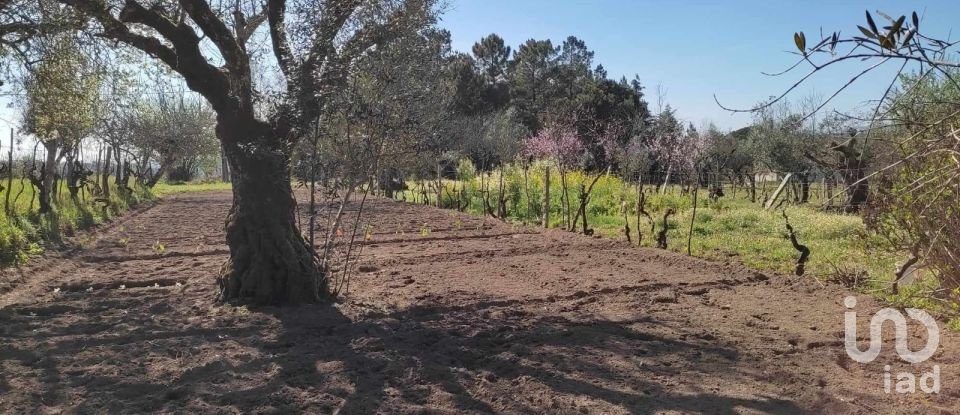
492	58
533	69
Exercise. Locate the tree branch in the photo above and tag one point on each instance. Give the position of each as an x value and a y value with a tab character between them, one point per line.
184	56
246	28
218	32
276	9
330	25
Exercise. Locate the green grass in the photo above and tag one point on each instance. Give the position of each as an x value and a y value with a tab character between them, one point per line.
732	226
759	238
162	189
25	232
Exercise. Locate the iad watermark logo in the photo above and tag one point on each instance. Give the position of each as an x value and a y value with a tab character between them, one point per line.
929	382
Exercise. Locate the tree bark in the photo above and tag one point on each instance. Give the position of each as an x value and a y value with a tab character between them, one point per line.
123	181
119	166
853	170
73	184
49	175
105	175
270	262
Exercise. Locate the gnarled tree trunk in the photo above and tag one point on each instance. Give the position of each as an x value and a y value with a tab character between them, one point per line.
270	262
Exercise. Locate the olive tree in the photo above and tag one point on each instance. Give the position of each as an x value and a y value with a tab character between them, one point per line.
169	133
312	45
782	144
61	109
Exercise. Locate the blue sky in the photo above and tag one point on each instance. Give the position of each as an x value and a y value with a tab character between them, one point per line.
696	49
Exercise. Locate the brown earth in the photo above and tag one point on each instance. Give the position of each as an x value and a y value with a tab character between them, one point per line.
449	314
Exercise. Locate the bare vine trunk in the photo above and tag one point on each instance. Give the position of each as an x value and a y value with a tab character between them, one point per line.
270	262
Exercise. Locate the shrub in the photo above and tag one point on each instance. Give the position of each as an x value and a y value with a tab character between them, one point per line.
465	170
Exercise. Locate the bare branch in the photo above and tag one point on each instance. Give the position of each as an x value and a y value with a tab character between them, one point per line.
249	26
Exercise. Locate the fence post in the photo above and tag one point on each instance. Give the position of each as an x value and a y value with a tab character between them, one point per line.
546	197
776	194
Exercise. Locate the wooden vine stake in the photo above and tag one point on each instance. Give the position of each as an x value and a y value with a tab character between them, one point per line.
546	197
776	194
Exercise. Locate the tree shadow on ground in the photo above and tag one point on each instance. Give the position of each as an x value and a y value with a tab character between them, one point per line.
460	351
469	358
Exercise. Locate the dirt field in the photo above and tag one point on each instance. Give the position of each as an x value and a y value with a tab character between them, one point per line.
451	314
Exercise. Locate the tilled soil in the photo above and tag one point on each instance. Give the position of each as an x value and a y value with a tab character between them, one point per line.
448	314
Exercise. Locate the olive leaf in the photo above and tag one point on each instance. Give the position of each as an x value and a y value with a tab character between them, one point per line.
909	37
898	25
873	26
